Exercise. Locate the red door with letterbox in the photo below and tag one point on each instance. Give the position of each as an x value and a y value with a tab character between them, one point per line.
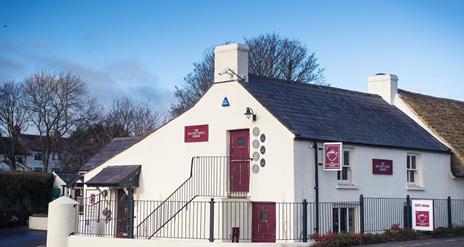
239	160
263	222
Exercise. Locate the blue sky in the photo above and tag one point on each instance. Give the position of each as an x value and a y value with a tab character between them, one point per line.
144	48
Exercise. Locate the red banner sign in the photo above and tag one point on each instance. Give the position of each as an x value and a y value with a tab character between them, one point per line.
382	167
333	156
196	133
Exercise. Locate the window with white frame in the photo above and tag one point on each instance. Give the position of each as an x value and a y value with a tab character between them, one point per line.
344	175
38	156
343	219
412	171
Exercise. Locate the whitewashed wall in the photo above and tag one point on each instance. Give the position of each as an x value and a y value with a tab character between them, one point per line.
78	241
165	158
434	170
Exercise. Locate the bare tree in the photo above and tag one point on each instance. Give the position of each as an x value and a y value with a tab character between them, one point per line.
124	118
195	84
58	103
282	58
270	55
13	117
135	119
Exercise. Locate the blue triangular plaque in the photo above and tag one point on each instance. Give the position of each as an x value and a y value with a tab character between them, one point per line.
225	102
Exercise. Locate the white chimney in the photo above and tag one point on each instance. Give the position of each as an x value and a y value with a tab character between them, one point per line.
229	61
385	85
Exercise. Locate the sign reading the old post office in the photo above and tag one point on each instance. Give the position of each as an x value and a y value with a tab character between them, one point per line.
422	215
196	133
333	156
382	167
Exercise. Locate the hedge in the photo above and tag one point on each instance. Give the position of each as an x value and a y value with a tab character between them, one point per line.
394	234
23	194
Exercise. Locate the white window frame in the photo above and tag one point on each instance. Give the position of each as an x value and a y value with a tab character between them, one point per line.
413	167
346	167
350	210
38	156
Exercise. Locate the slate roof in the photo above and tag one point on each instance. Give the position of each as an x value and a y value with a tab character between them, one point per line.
445	117
32	142
35	142
68	177
331	114
116	176
116	146
5	145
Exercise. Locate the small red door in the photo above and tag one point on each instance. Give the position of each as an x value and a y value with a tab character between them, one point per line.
239	160
263	222
121	214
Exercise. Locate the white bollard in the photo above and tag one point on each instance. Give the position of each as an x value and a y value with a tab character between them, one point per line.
61	221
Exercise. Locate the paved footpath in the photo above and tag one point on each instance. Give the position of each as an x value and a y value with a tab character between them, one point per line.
22	237
457	241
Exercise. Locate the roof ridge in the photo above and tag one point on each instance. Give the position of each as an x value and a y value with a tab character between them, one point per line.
430	96
310	85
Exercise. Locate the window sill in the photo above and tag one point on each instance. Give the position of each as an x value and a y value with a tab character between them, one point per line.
345	186
414	187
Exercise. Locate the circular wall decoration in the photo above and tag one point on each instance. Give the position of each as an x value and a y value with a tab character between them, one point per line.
255	156
262	162
255	168
256	131
262	149
255	144
262	138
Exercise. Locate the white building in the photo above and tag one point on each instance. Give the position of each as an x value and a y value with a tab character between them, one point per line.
29	154
70	184
282	126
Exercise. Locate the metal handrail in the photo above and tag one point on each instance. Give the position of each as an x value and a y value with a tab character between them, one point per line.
206	167
169	197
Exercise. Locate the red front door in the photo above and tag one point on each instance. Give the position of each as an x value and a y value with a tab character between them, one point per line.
239	160
121	213
263	222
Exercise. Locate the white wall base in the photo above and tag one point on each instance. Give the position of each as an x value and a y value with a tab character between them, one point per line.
38	223
61	221
79	241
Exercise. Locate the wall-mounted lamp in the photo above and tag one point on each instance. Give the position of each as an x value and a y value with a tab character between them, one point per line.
249	113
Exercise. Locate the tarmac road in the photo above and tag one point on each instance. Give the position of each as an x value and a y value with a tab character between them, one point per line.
457	241
22	237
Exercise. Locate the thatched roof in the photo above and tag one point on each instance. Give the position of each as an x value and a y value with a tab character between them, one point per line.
445	117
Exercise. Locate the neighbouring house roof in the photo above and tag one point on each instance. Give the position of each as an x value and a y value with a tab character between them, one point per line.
68	177
116	176
445	118
5	145
116	146
26	144
32	142
35	142
332	114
